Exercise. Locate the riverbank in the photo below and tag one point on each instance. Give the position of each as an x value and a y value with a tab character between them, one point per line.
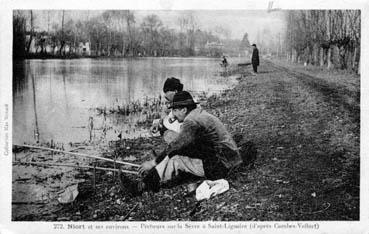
76	56
307	167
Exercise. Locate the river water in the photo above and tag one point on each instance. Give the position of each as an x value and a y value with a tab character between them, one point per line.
55	99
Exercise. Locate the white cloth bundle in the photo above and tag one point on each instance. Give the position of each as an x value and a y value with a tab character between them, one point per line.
210	188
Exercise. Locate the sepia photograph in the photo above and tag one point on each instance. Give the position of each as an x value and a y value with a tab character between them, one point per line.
186	115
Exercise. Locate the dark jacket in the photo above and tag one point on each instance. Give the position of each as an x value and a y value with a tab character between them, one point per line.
255	57
203	136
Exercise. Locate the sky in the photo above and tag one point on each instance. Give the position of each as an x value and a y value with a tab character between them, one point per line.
236	21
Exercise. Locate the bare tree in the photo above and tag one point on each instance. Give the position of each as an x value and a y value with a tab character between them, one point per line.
31	32
62	39
318	35
150	27
245	43
130	20
19	35
188	26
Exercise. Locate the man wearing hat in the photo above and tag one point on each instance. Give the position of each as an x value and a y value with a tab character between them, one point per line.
168	126
255	58
203	148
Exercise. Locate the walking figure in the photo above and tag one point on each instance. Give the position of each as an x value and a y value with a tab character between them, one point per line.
255	58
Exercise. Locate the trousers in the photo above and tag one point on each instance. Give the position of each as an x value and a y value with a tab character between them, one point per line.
255	68
171	167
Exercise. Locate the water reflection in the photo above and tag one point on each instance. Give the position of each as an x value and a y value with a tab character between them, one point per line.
55	99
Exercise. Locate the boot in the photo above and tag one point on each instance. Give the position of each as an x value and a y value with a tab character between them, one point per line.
151	182
248	153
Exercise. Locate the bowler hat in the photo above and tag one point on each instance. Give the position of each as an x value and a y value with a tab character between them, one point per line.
172	84
253	44
182	99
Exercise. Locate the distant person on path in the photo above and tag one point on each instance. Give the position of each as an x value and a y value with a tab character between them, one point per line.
255	58
168	126
203	148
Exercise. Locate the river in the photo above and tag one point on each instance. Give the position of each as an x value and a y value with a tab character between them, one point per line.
55	99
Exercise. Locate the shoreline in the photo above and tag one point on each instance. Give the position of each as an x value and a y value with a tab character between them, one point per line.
43	57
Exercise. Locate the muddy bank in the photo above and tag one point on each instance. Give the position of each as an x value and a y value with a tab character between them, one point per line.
307	166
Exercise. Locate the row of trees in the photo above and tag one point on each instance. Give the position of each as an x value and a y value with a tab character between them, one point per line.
112	33
324	37
328	38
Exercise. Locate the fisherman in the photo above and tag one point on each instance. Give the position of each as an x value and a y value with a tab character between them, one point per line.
255	58
203	148
168	126
224	61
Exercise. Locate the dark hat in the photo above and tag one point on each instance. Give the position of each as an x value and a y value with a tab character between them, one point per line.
253	44
182	99
172	84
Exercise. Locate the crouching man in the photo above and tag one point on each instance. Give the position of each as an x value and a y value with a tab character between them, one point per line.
203	148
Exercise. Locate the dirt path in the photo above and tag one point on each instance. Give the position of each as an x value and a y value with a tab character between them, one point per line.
308	138
337	95
307	133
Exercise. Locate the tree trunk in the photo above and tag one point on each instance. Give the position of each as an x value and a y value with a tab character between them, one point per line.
353	62
109	44
74	43
329	58
316	54
31	34
358	69
61	47
62	35
329	52
295	56
309	59
289	55
42	48
348	59
48	22
129	35
321	52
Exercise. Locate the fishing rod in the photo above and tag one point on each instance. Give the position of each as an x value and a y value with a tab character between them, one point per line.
79	154
78	166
